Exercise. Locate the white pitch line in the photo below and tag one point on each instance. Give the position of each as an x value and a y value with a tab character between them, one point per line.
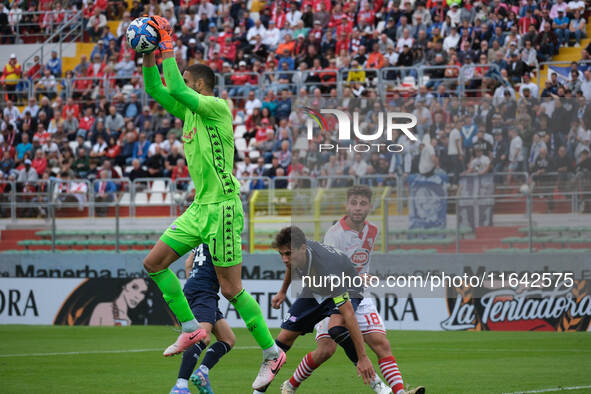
256	347
554	389
101	352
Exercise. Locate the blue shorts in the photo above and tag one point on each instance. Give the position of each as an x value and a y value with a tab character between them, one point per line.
205	307
305	313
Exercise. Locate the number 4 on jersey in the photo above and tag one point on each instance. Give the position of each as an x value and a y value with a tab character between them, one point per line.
199	256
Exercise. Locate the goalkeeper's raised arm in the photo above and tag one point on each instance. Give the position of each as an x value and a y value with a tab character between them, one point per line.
159	92
194	88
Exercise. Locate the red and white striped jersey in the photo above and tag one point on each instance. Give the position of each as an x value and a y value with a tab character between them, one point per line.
356	245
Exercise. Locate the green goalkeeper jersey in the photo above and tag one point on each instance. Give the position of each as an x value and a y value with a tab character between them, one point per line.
208	135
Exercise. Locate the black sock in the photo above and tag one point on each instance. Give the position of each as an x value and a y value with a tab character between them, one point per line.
190	357
282	346
214	353
342	337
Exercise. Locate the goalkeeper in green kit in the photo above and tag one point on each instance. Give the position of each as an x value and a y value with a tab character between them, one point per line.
215	217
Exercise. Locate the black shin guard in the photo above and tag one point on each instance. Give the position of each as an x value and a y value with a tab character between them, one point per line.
341	336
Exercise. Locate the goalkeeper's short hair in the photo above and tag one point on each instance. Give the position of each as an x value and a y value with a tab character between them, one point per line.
201	71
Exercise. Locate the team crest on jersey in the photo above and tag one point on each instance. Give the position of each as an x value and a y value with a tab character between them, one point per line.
360	258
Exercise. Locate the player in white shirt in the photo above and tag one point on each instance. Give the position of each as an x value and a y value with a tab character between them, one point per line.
353	235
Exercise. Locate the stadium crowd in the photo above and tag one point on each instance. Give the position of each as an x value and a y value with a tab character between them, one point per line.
478	109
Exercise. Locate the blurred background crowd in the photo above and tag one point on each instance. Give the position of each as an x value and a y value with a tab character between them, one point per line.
468	70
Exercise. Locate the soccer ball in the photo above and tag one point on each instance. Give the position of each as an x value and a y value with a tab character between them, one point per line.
141	37
524	189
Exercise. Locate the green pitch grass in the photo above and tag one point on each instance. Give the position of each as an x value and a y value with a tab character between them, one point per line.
128	360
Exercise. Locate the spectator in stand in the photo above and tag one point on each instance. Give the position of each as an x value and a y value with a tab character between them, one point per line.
7	164
47	85
172	143
283	105
23	147
105	192
547	43
125	69
11	113
157	144
32	108
126	155
136	10
428	161
11	75
99	149
271	172
155	163
27	173
136	171
284	154
480	163
54	65
114	122
71	108
251	103
578	27
359	166
96	24
86	122
81	164
140	148
132	108
180	171
122	27
70	126
561	26
34	73
39	162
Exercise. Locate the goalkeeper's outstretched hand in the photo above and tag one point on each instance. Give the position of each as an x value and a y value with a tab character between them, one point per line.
164	31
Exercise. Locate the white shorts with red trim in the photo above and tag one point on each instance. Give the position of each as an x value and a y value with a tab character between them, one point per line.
368	318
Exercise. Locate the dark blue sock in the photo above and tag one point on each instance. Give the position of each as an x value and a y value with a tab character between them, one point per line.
282	345
190	357
214	353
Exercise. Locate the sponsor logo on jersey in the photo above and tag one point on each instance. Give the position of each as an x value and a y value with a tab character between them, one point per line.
360	258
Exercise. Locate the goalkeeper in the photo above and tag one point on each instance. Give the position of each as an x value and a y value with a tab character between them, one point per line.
215	217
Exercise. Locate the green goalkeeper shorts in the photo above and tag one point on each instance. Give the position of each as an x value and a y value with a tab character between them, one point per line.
219	225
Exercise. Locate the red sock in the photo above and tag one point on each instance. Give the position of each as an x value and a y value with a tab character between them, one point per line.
391	373
303	371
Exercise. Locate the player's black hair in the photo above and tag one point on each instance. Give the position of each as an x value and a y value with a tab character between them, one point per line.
359	190
201	71
291	236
